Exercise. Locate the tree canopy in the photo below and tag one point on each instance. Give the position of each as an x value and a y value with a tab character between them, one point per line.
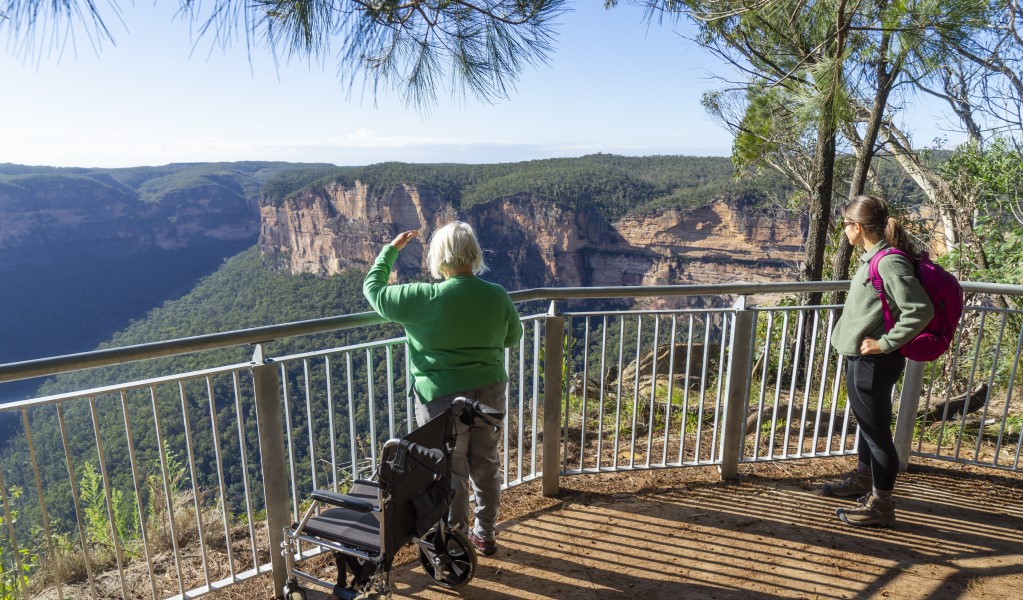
820	80
407	45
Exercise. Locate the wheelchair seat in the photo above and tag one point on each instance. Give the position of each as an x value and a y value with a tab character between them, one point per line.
349	527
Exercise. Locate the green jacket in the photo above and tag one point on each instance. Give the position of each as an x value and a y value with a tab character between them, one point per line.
863	316
457	330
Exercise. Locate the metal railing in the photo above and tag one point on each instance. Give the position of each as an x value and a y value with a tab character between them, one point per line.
205	467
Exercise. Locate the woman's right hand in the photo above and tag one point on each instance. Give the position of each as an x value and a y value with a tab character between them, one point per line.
870	346
404	238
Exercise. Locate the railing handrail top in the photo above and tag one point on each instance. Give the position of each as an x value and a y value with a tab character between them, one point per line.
213	341
122	388
715	289
258	335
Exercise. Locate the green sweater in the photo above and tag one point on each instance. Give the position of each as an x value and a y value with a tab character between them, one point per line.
457	330
863	315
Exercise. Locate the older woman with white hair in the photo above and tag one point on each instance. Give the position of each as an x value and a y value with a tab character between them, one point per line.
457	331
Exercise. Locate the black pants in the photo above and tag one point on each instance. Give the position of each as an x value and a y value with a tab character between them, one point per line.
870	381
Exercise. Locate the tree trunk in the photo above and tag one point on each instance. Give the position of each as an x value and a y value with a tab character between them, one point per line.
823	180
934	187
954	408
820	201
957	227
865	149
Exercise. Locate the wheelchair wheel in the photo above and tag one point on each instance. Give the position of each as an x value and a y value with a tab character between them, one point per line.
292	591
451	566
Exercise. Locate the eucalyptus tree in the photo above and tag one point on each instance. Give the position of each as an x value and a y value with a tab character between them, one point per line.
989	179
409	46
810	68
981	83
786	108
900	46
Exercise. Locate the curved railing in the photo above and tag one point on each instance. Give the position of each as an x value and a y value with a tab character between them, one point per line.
707	375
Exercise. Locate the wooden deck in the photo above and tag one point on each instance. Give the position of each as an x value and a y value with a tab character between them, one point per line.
684	534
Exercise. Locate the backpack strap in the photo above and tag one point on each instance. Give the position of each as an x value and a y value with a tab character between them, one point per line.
875	279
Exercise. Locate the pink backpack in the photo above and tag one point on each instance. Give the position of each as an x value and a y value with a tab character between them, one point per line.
946	295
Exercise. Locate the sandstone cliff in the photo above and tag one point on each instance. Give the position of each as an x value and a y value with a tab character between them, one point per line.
532	242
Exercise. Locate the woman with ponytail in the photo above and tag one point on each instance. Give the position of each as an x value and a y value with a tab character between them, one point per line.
872	362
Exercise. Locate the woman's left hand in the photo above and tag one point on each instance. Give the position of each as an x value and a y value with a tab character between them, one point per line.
870	346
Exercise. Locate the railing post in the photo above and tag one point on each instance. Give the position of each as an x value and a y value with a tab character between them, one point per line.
736	394
909	402
267	387
554	344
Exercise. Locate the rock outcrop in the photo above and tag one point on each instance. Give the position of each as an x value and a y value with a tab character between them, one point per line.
531	242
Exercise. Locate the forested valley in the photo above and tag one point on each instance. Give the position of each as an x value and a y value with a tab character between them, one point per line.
131	290
199	285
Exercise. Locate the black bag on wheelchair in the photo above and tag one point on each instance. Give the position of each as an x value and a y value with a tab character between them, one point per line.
407	501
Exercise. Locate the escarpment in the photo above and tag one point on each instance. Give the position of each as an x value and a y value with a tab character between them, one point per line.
532	242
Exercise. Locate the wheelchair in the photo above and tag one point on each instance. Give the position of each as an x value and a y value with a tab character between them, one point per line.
406	501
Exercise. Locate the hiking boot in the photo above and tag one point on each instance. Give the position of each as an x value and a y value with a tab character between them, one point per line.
870	511
857	484
487	547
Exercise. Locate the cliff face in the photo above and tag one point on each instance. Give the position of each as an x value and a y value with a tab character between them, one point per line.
41	212
342	228
530	242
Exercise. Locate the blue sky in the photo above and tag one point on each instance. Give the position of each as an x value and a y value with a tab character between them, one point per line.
614	84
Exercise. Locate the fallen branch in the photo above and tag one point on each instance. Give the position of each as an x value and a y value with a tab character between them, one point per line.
954	407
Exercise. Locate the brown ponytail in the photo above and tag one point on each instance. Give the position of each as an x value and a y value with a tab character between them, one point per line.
871	213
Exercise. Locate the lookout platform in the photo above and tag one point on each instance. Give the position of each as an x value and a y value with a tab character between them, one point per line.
683	533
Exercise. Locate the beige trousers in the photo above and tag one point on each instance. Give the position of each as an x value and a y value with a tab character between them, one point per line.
475	459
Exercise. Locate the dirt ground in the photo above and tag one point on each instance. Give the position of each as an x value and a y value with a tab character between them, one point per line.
682	533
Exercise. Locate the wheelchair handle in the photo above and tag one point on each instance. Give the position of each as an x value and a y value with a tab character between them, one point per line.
486	419
490	416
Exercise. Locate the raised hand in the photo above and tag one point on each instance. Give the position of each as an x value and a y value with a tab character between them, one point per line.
404	238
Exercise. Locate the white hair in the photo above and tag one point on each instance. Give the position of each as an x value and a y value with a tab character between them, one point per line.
454	247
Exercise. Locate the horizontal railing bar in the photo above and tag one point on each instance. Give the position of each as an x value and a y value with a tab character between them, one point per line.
521	480
643	467
719	289
257	335
223	583
794	456
340	349
110	356
994	309
766	309
118	387
1000	289
725	289
674	311
659	311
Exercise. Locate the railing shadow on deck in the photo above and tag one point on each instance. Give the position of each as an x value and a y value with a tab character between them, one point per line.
760	536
